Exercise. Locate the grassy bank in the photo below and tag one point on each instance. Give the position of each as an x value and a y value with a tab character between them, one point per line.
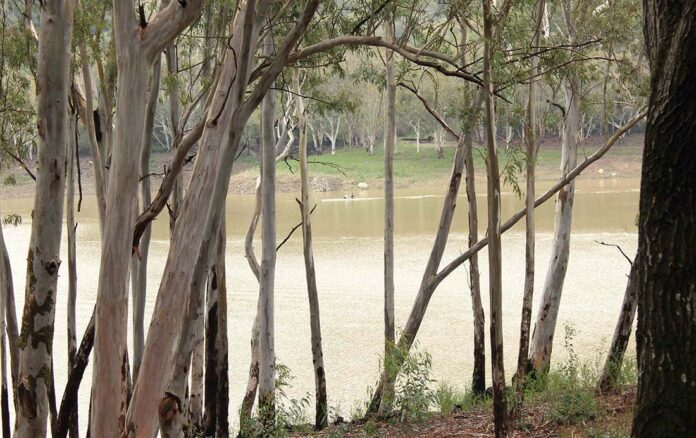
351	166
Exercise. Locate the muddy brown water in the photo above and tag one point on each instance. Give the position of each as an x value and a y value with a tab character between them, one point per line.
348	255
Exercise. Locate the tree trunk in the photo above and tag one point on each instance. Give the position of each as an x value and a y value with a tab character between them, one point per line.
43	261
622	332
532	141
221	392
266	340
11	320
478	379
389	140
494	246
188	237
71	228
322	409
140	290
5	284
216	289
542	337
177	195
666	333
88	119
425	290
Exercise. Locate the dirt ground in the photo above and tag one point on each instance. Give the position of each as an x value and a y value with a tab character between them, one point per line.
614	420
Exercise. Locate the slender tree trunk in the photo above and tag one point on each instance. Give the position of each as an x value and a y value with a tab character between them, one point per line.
266	339
478	379
43	261
542	337
71	226
666	333
220	393
88	119
322	412
622	332
389	141
177	195
5	284
140	290
494	246
10	319
425	290
532	141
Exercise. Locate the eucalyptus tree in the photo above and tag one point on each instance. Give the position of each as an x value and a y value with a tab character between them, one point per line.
666	334
137	46
389	145
43	260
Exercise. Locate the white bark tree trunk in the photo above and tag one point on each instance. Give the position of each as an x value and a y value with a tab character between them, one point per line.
542	337
266	331
43	261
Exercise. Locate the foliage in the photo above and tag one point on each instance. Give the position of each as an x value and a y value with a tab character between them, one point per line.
290	413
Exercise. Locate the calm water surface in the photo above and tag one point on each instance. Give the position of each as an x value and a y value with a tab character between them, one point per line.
348	255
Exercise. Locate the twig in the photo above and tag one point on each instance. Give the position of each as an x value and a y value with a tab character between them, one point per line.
79	170
294	229
630	262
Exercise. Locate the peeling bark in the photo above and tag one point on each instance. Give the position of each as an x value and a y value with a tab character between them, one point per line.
43	261
544	329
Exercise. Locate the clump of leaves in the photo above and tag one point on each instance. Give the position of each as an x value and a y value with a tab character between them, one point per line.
290	413
12	219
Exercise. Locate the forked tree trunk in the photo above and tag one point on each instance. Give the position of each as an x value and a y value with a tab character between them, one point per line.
212	169
71	228
136	50
43	261
494	246
321	406
542	337
532	141
666	333
186	243
389	140
622	333
425	290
